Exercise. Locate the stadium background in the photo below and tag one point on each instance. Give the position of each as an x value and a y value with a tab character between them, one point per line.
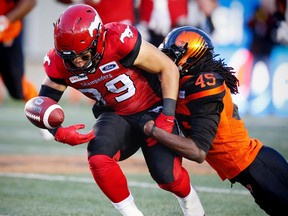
263	86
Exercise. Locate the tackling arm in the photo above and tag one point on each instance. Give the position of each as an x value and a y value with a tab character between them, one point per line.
185	147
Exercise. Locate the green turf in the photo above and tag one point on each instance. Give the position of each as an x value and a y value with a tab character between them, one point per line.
22	196
39	197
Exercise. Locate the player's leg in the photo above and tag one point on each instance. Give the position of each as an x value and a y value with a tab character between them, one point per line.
12	68
267	180
112	136
166	169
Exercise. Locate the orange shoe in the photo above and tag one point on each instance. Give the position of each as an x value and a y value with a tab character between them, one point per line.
29	90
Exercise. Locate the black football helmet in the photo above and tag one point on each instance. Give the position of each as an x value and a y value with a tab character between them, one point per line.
185	46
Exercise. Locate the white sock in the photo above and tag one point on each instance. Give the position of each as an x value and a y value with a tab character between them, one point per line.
191	205
127	207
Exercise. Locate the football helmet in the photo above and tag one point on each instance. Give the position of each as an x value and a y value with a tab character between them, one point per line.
78	30
186	45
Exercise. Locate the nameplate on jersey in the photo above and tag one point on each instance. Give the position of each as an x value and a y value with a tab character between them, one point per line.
182	94
79	78
109	67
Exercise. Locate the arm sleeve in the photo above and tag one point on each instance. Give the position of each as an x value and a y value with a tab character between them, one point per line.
50	92
204	124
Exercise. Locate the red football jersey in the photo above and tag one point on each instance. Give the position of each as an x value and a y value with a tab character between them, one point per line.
125	89
231	149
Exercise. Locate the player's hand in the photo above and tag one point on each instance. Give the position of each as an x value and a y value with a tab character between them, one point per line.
148	130
70	136
149	127
144	119
4	23
160	21
144	123
165	122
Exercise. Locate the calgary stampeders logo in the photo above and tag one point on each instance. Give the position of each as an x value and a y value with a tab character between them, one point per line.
127	33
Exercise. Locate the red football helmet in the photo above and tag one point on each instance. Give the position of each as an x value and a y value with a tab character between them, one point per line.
79	29
186	45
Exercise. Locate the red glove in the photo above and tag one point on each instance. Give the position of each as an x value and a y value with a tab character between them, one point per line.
164	122
70	135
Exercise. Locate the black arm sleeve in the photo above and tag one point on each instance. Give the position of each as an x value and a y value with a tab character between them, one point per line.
204	124
50	92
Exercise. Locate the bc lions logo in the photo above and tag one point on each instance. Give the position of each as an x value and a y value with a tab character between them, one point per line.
127	33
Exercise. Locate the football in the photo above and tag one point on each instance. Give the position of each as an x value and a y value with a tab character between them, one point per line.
44	112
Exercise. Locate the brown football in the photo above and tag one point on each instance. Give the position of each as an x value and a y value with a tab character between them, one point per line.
44	112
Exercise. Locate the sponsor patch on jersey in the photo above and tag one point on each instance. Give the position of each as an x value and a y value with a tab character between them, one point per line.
182	94
127	33
75	79
109	67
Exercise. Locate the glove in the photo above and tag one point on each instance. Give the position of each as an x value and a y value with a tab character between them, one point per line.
164	122
70	136
4	23
160	21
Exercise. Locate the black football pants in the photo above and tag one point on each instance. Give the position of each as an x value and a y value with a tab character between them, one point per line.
267	180
122	134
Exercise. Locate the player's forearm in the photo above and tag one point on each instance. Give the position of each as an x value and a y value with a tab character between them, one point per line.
185	147
170	83
22	8
170	88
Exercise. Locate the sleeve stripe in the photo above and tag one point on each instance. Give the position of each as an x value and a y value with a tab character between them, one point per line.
205	93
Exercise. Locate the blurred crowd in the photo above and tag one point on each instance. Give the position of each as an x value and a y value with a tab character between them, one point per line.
155	18
266	24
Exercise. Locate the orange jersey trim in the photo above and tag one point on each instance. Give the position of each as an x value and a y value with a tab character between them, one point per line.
206	93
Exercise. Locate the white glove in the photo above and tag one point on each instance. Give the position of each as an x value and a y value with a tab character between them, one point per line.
282	33
4	23
160	21
143	29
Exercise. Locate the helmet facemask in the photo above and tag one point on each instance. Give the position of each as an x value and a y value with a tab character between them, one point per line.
186	46
175	53
91	64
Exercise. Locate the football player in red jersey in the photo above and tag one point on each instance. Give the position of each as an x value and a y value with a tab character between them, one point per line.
112	65
211	123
